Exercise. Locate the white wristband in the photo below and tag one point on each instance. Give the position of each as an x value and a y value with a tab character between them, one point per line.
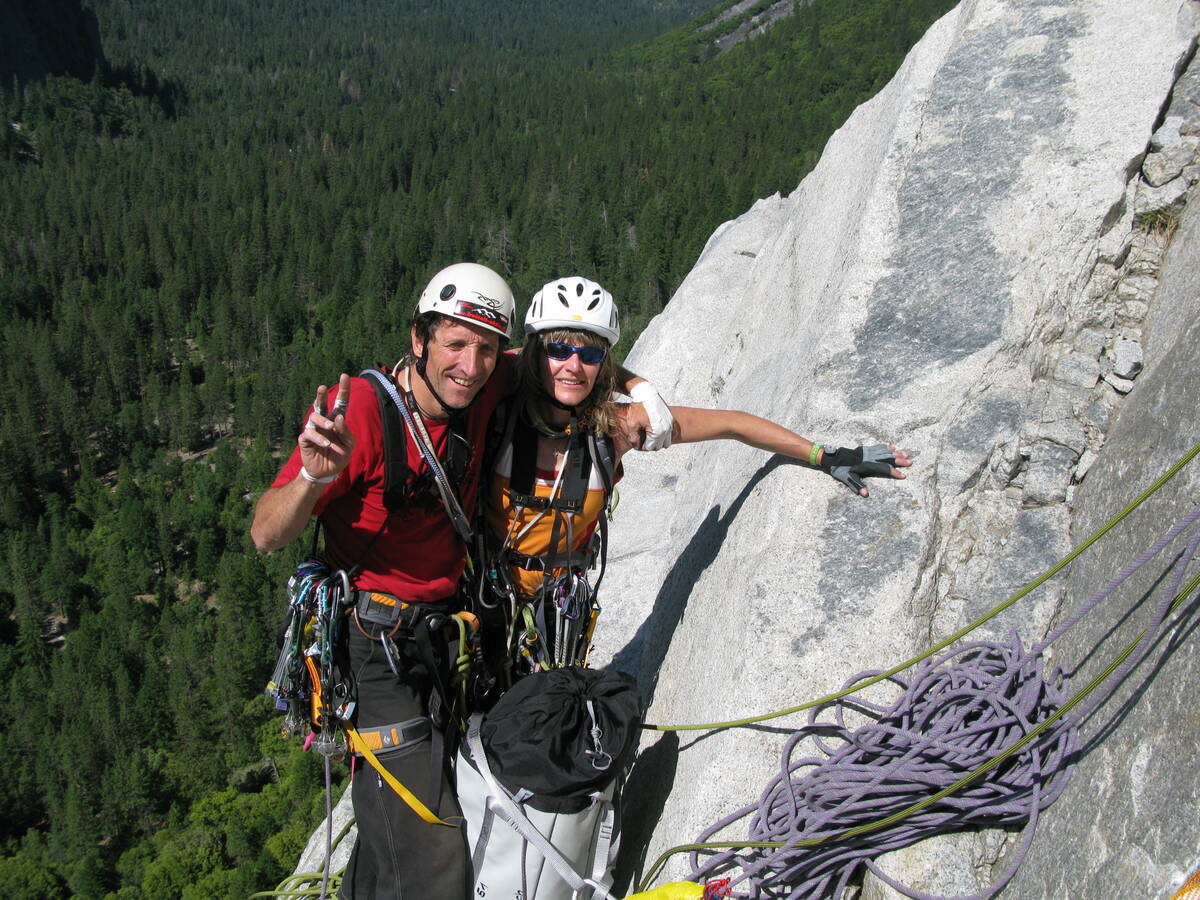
657	412
308	476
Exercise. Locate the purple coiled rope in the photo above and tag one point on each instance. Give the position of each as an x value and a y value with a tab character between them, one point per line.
956	712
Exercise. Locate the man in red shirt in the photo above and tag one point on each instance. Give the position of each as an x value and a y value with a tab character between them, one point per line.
455	376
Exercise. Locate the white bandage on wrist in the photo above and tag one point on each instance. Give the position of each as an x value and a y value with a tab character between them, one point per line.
659	414
308	476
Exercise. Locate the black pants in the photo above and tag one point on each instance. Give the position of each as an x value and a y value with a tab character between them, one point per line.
397	854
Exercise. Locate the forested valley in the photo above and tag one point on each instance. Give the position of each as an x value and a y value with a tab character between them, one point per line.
242	200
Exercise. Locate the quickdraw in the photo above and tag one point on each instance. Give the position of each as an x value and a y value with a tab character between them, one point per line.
307	683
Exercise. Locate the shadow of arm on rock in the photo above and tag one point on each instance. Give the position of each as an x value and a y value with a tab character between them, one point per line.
645	652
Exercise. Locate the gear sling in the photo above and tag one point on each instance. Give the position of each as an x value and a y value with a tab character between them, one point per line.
314	683
554	627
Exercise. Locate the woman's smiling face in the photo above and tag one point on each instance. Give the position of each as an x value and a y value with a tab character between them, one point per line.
565	374
570	380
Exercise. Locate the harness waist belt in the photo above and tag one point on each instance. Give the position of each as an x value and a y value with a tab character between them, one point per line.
397	736
531	501
389	611
580	559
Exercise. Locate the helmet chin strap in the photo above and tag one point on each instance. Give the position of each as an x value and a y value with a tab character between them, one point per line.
449	410
534	417
549	397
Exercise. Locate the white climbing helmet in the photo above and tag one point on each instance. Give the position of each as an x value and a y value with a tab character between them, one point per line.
574	302
471	293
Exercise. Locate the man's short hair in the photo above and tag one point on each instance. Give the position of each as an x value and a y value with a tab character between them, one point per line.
426	325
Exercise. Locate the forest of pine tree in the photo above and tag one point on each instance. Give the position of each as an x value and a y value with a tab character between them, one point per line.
242	201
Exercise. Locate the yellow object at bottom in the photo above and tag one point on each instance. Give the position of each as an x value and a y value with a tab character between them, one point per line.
676	890
1190	889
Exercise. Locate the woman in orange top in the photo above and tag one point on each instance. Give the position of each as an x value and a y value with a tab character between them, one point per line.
553	472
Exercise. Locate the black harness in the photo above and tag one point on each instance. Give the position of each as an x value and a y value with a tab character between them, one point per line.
401	488
526	622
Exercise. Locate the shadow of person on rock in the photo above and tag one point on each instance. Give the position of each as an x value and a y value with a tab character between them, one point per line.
644	653
653	774
644	799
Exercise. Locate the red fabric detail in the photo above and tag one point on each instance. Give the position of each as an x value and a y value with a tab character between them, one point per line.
420	556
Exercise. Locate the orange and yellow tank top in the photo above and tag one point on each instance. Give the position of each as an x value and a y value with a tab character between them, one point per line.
503	515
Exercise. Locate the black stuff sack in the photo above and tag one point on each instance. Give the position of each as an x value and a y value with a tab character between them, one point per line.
563	735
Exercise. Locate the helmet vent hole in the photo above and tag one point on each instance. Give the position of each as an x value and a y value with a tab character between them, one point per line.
595	300
448	292
562	298
579	289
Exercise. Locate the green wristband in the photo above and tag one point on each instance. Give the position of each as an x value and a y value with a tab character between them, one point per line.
812	454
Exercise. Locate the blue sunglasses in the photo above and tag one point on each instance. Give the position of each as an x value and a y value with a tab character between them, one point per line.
589	356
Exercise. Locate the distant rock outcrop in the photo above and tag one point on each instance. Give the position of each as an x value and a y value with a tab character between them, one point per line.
974	271
745	20
48	37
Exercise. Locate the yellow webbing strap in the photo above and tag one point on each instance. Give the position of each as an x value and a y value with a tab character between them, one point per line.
359	746
1190	889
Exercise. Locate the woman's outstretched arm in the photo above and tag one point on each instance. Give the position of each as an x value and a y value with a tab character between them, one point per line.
848	465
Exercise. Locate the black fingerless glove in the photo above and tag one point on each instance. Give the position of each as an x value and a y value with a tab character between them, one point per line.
850	465
841	457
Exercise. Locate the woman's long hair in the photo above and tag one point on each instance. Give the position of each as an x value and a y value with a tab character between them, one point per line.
598	412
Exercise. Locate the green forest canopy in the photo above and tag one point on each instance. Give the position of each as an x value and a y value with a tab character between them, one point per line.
242	202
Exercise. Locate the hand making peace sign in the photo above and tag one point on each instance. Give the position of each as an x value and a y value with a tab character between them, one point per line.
326	441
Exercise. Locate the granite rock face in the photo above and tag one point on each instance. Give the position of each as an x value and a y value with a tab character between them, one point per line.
1127	826
974	271
340	842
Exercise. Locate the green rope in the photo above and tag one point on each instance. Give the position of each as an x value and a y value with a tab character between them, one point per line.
288	887
287	895
966	629
1077	698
